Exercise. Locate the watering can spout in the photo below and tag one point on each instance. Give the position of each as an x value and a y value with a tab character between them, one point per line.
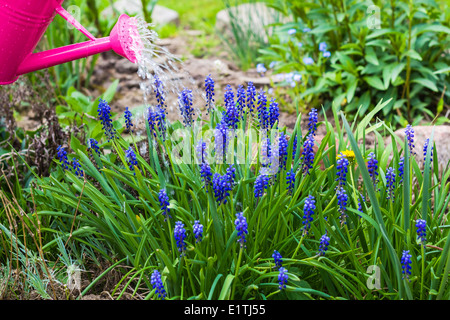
16	21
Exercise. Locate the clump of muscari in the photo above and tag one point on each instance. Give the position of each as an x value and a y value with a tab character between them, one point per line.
93	145
251	96
409	132
263	114
312	122
342	169
290	179
77	168
372	167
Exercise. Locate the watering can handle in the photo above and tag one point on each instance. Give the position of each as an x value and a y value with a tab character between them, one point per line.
69	18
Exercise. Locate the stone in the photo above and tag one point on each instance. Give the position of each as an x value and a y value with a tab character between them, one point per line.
160	15
250	16
441	139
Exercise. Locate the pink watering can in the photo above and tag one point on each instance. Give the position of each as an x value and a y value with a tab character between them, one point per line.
22	24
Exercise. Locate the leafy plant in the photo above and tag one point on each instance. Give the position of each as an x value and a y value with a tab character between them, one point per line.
366	51
147	204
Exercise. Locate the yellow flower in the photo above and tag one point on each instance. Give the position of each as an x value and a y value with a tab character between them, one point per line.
350	155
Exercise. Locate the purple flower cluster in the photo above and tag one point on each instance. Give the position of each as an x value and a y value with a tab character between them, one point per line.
62	156
274	113
342	198
421	226
409	132
278	259
372	167
164	203
104	114
223	184
185	105
93	145
128	122
77	168
263	114
157	284
251	97
209	88
308	154
342	169
308	211
290	179
241	228
240	100
179	233
406	264
312	123
390	183
261	184
282	278
131	159
323	245
198	231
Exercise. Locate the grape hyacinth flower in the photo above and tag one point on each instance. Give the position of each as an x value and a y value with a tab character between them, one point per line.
278	259
185	104
390	182
200	151
266	152
323	245
342	169
274	113
223	184
282	278
263	115
93	145
62	156
290	179
159	93
77	168
206	174
261	184
164	203
282	150
308	60
198	231
409	132
157	284
128	122
152	119
372	166
131	159
241	228
401	169
221	141
421	226
104	113
312	123
209	89
425	150
240	100
251	96
308	211
231	113
326	54
342	198
294	147
406	264
308	154
179	233
361	199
